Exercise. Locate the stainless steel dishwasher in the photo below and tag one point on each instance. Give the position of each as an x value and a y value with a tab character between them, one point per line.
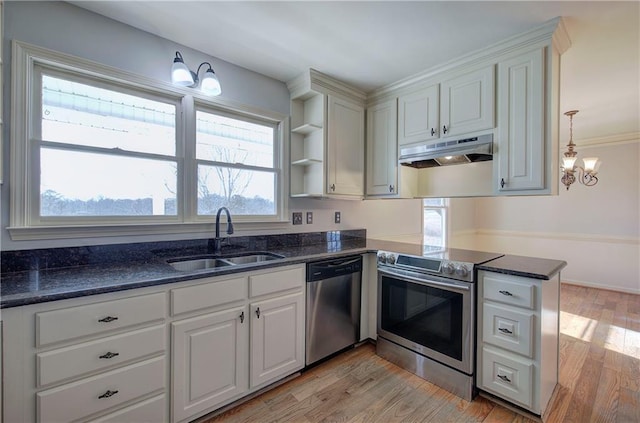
333	306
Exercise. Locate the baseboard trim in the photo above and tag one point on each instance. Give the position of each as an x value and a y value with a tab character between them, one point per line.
603	287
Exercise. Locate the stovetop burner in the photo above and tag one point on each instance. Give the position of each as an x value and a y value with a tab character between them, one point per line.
450	263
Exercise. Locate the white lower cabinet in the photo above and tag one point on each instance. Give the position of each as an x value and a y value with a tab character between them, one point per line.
518	338
277	337
173	352
252	336
99	358
209	361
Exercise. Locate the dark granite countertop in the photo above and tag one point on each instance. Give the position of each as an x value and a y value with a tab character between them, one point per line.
36	276
528	267
50	284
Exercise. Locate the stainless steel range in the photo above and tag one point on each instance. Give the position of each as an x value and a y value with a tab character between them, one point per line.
426	314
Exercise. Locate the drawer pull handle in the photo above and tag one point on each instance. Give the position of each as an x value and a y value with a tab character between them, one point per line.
109	355
242	317
258	312
504	378
107	394
506	293
107	319
505	330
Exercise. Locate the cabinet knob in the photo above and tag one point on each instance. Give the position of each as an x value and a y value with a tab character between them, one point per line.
433	131
444	129
109	355
390	188
505	330
502	183
242	317
504	378
258	312
108	394
107	319
333	187
506	293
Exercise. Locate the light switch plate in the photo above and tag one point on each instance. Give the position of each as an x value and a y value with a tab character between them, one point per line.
297	218
337	218
309	218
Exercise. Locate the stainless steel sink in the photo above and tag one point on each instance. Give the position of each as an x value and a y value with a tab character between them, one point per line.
194	264
252	258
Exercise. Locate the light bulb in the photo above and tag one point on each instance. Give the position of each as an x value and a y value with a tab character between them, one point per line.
210	84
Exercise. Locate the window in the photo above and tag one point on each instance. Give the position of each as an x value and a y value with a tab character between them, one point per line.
98	151
103	152
237	165
435	222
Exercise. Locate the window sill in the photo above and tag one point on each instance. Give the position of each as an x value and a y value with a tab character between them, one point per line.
35	233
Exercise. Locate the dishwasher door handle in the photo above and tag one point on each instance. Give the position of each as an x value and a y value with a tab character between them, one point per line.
333	264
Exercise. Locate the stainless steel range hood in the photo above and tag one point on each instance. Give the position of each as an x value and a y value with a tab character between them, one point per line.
432	154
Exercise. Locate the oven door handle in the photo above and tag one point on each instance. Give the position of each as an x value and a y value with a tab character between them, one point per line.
425	282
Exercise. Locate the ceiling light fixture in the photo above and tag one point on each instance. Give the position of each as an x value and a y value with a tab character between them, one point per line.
183	76
587	174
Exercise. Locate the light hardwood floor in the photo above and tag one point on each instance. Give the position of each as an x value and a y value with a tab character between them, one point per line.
599	378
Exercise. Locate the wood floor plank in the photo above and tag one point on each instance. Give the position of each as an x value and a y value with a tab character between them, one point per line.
605	402
629	406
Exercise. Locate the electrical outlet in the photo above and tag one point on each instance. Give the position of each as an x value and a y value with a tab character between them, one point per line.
297	218
309	218
337	218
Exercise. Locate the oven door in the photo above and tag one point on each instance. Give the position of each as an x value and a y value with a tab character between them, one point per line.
430	315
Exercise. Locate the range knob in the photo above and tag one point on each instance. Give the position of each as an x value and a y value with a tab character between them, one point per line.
462	270
391	259
448	268
382	258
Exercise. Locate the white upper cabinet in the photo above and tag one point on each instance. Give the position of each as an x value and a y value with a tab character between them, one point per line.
461	105
327	137
382	149
419	115
467	103
345	147
521	138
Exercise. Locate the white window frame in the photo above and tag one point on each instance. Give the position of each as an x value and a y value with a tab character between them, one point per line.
24	182
444	211
278	162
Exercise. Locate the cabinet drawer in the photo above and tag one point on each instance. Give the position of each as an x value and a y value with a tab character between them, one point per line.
508	329
152	410
508	376
66	363
92	319
280	280
207	295
507	290
99	393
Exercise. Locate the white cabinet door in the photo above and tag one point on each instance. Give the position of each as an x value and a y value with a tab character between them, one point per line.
520	161
382	149
467	103
419	116
345	147
277	338
210	361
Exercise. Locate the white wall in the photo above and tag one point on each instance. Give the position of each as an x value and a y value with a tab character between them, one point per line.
595	229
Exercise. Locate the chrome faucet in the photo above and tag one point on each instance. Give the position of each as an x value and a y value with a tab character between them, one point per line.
217	240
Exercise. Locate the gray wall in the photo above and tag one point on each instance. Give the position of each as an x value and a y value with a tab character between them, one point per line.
66	28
